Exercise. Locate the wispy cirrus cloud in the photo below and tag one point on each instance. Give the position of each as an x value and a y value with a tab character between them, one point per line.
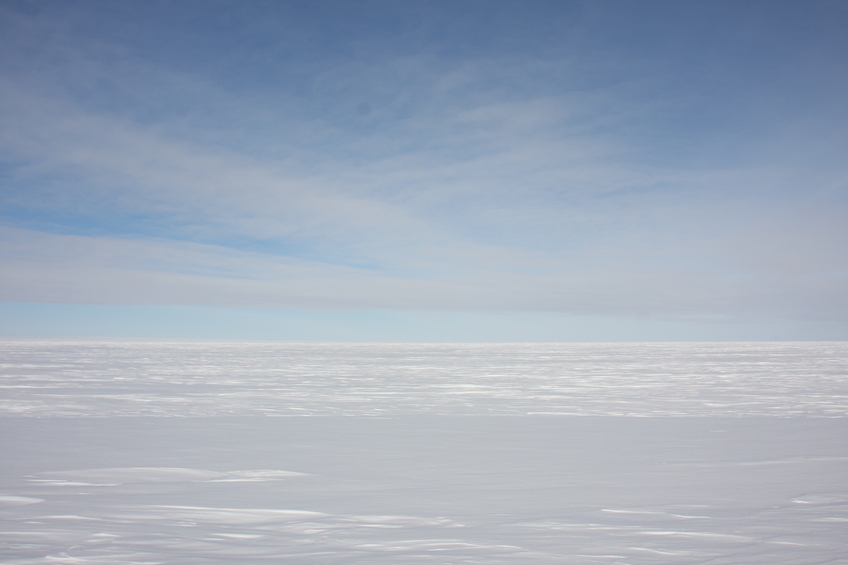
484	182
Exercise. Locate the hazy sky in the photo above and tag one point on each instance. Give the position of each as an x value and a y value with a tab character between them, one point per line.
424	170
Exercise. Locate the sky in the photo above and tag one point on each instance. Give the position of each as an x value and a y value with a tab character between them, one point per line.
424	170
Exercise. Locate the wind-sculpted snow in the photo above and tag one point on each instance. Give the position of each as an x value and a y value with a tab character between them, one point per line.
143	453
431	489
53	378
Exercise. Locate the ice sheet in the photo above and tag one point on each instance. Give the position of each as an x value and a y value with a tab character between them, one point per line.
129	453
84	378
426	489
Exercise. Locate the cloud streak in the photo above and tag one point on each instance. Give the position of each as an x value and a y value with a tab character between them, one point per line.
477	183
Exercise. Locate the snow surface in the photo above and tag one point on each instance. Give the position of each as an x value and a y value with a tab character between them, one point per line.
163	452
43	378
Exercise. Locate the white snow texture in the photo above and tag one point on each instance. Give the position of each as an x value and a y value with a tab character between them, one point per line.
179	453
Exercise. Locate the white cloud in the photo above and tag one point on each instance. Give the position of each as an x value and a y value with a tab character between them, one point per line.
40	267
455	193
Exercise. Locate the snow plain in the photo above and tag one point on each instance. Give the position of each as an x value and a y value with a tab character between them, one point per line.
230	453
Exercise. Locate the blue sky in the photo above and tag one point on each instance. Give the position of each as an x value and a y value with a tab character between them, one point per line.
432	171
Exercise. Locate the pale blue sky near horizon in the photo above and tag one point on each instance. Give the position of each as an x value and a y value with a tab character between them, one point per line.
424	170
